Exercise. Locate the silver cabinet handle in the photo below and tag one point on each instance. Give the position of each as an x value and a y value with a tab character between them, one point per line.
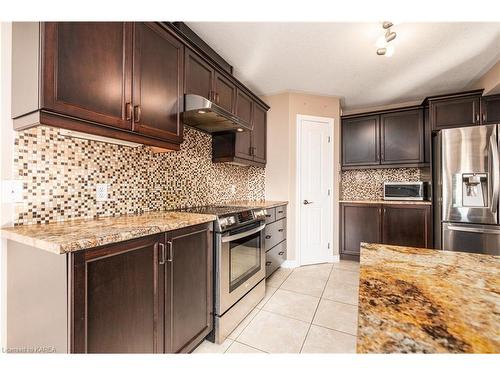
170	252
307	202
281	253
268	263
162	255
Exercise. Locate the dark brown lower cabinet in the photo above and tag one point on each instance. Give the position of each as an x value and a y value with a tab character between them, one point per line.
147	295
392	224
189	288
406	226
359	223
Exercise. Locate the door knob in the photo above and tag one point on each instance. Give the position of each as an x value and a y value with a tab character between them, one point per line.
307	202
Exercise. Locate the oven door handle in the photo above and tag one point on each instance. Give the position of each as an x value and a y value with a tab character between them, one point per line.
244	234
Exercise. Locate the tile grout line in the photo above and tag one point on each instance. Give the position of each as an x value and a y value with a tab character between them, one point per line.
315	311
336	330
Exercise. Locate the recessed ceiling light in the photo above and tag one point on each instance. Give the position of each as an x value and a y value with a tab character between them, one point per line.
239	129
201	111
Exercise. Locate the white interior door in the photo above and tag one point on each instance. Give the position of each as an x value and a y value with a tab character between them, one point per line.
315	172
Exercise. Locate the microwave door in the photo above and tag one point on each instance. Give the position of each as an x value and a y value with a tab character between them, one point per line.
470	174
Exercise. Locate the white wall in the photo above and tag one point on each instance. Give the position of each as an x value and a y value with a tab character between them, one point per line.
6	160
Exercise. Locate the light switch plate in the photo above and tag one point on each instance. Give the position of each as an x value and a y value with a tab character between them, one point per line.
101	192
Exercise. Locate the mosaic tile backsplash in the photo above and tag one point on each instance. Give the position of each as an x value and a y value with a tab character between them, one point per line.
369	183
60	176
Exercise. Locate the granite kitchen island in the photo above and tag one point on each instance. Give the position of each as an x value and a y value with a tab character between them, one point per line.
415	300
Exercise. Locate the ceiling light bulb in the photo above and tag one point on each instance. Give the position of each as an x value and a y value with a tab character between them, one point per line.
389	51
381	51
380	43
390	36
387	24
239	129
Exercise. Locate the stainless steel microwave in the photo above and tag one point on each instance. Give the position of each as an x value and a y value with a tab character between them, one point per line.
406	191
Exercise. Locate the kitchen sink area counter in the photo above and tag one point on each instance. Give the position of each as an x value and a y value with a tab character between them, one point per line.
414	300
80	234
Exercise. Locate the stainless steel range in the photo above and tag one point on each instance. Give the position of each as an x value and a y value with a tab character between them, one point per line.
239	264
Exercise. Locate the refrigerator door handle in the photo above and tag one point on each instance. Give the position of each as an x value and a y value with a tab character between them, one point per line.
495	173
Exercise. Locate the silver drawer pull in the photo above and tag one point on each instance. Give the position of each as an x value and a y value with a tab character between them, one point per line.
268	236
280	230
268	263
280	212
281	253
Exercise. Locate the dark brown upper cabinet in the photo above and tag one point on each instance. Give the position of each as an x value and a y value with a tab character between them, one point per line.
158	82
249	147
490	109
225	92
455	111
407	226
244	106
387	139
189	288
259	133
402	137
360	141
199	75
116	298
87	68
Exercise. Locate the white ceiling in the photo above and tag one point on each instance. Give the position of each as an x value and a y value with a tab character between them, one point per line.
339	58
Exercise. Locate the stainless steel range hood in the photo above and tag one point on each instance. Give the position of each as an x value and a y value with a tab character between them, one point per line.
205	115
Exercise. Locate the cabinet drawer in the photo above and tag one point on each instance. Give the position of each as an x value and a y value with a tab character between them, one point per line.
274	233
275	257
280	212
271	215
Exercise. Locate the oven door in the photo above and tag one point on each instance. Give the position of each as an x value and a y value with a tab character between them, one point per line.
241	264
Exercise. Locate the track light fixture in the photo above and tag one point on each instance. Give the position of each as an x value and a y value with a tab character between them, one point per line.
384	49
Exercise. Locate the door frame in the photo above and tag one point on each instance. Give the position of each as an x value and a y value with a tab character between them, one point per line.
298	217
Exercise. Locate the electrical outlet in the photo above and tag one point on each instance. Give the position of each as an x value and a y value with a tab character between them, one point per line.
101	191
232	189
12	191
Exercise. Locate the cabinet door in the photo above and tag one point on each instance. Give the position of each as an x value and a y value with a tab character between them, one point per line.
225	92
87	68
455	112
406	225
243	143
189	287
158	84
402	137
490	109
359	223
360	141
259	134
199	76
116	297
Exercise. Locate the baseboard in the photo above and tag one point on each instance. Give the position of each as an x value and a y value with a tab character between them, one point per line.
291	263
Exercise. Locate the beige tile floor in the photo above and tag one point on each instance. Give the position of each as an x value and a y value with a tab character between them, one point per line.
311	309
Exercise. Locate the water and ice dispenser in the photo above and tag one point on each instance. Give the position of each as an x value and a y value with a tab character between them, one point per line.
474	189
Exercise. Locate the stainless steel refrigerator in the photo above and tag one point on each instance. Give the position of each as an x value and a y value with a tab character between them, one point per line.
468	184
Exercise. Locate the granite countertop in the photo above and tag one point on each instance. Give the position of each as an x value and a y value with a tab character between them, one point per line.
428	301
257	204
66	236
381	201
